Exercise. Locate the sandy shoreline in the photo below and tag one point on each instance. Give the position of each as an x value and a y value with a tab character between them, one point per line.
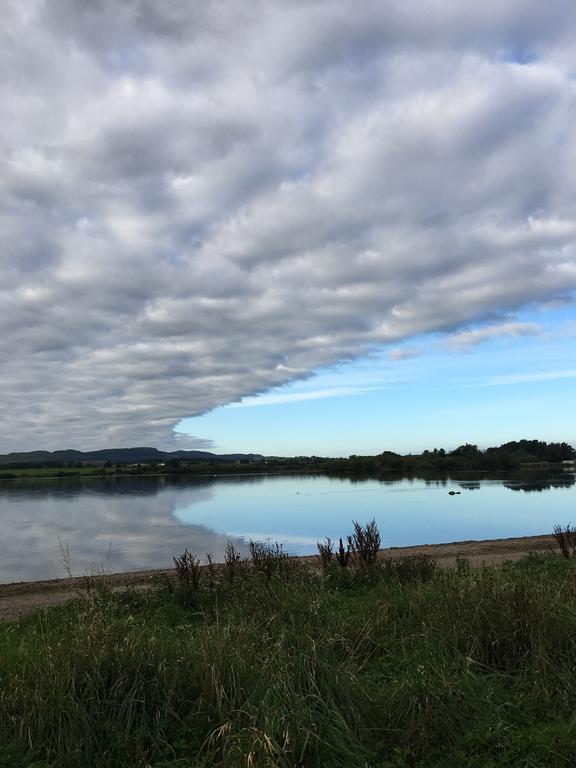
20	598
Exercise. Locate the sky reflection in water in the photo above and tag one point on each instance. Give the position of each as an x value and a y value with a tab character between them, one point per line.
121	524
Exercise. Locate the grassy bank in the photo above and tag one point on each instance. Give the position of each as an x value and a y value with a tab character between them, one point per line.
263	664
54	472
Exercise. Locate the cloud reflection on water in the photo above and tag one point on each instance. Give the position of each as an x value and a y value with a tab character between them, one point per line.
123	523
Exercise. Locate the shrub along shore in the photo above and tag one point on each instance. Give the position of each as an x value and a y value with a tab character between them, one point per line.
365	662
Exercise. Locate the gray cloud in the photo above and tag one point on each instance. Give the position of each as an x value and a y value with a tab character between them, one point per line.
201	202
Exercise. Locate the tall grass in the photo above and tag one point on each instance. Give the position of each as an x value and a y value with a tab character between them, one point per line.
566	540
274	666
365	542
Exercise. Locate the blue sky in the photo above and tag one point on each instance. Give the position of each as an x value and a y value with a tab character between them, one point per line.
504	388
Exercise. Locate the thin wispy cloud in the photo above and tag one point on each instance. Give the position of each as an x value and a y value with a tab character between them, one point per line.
297	397
528	378
201	202
468	339
405	353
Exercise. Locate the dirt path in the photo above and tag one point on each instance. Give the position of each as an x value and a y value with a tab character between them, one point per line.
21	598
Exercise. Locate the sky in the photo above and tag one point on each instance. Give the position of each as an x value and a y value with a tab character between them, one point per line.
287	227
486	386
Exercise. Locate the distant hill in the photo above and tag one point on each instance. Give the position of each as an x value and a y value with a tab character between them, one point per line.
140	455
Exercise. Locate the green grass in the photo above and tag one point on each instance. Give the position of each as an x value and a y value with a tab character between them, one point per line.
56	472
374	666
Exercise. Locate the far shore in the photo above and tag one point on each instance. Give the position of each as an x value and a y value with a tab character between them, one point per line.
19	598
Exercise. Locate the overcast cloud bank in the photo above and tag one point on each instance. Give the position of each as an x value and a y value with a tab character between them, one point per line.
201	201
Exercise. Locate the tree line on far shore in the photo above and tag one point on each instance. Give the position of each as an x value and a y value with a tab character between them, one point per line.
509	456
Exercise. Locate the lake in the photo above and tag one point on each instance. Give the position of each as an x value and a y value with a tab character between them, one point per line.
122	523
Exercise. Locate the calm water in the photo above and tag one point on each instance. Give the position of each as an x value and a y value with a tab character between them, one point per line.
120	524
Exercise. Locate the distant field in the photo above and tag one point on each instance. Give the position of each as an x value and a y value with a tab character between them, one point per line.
55	472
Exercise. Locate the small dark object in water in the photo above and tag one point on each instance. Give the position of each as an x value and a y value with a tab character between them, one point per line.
454	493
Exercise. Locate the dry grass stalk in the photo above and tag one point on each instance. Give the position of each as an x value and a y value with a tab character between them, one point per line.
211	569
325	553
566	539
365	542
188	570
343	555
269	559
232	562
